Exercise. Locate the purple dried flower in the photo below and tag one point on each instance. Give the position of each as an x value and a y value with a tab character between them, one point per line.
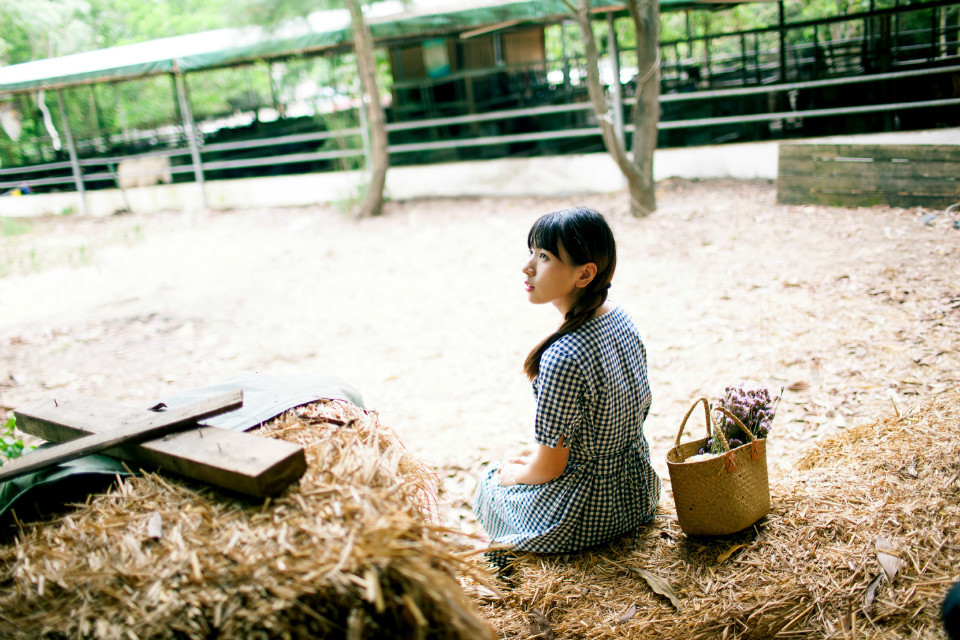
753	406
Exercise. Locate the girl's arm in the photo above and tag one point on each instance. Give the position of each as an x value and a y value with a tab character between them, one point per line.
547	463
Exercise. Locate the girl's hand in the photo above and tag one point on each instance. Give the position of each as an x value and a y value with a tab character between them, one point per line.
547	464
507	474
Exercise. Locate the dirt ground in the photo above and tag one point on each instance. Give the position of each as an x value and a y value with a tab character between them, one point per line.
855	313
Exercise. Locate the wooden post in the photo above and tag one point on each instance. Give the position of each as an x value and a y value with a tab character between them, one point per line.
616	89
72	151
757	71
706	54
743	59
783	42
97	119
896	31
365	131
189	130
277	106
566	61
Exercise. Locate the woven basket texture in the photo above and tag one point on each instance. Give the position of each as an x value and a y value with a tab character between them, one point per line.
720	495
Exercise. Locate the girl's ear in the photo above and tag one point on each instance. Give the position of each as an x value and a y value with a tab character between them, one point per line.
587	273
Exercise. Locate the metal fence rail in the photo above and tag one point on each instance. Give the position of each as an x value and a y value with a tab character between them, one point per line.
771	62
355	150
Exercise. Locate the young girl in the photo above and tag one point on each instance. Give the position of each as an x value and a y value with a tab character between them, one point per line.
590	479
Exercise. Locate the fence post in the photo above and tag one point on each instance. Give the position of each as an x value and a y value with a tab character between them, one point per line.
189	130
364	131
616	89
72	151
783	41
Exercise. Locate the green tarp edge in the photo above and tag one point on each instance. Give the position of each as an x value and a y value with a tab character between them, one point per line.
268	47
264	50
83	77
12	491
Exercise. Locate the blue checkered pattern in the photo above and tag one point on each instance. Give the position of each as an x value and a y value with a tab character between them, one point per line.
593	391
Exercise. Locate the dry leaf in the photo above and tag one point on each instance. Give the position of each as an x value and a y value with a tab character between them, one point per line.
540	626
723	557
800	385
871	592
886	551
883	544
629	613
846	621
891	564
661	586
155	526
912	469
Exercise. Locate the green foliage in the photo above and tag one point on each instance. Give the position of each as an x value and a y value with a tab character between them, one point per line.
11	446
337	123
14	37
12	227
352	199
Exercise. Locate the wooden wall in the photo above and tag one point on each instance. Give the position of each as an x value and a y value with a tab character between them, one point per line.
526	45
852	175
521	45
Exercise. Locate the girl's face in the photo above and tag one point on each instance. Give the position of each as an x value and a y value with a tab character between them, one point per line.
551	278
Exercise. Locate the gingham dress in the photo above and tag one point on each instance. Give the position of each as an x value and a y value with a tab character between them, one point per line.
593	390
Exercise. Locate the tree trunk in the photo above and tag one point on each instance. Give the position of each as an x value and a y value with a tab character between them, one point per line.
372	204
637	167
646	107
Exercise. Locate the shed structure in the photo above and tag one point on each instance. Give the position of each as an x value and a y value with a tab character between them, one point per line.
476	80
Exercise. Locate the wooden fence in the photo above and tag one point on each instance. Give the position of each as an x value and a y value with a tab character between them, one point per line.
862	175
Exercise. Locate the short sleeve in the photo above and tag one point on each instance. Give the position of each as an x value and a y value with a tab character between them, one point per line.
560	390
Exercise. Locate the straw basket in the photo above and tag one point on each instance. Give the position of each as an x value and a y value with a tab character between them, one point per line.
719	495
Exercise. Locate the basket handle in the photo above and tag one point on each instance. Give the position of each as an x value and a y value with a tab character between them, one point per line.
736	421
711	431
706	413
754	452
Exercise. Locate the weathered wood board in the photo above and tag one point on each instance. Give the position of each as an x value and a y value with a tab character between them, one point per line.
151	424
234	460
852	175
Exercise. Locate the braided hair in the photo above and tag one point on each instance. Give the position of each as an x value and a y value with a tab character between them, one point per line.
585	237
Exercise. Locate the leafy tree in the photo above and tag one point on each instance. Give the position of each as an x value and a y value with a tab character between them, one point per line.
274	11
14	37
638	166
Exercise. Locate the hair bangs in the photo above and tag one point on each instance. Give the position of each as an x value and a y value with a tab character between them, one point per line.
545	233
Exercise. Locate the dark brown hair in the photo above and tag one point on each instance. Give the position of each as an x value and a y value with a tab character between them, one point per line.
585	237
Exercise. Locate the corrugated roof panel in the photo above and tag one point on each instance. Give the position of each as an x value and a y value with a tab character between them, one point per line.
224	47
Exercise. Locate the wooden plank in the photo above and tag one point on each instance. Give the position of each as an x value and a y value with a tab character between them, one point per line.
949	190
787	196
867	175
945	171
233	460
152	424
832	200
918	152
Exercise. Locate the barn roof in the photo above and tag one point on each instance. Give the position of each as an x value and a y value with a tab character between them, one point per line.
321	31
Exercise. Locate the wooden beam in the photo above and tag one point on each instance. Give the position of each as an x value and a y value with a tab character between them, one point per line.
491	28
152	424
233	460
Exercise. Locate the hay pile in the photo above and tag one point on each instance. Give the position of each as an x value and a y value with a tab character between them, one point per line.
352	552
863	542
